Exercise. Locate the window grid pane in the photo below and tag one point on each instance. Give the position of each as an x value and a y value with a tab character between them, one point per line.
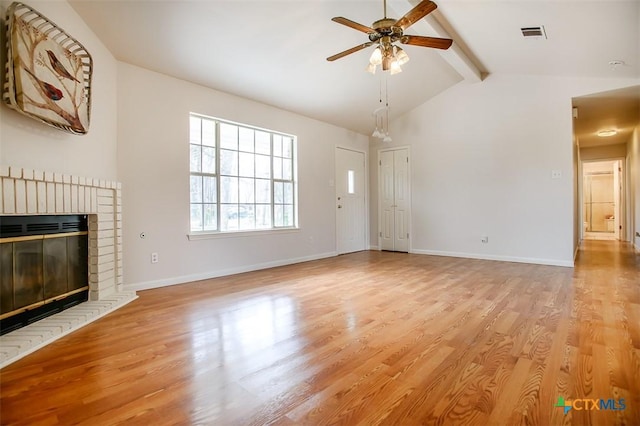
196	217
208	133
256	185
195	158
208	160
195	130
210	217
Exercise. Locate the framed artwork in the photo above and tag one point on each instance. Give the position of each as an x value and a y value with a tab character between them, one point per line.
48	72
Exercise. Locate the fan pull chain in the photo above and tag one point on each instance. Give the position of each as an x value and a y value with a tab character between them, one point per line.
386	92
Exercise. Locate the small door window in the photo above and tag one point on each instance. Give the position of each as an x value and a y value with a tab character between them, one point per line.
351	182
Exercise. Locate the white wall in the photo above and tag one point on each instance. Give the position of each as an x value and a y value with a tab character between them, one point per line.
153	166
482	156
25	142
603	152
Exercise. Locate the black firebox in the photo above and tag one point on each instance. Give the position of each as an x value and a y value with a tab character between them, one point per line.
44	267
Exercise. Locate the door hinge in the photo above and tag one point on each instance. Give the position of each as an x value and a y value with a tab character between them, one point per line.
381	234
407	235
381	162
407	159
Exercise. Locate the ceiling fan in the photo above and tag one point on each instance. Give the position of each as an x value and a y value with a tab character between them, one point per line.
387	31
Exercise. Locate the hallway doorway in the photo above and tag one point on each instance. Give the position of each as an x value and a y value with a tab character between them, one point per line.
602	200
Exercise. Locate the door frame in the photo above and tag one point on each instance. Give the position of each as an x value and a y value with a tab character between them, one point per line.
379	207
623	222
366	194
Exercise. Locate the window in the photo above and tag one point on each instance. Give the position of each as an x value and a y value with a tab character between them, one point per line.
351	182
242	177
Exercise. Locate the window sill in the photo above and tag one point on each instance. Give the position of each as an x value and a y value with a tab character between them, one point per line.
236	234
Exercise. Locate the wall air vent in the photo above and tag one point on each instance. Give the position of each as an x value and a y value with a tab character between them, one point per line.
534	32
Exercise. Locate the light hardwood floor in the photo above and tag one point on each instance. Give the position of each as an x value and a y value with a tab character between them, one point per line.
366	338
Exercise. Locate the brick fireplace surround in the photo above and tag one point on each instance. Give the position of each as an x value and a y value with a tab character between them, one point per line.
31	192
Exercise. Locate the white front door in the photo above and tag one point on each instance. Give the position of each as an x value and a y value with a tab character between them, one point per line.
350	201
395	200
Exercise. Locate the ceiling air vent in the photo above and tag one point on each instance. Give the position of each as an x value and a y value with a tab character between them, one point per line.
534	32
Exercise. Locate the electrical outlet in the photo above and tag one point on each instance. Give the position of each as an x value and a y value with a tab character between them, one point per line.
154	257
485	239
637	234
556	174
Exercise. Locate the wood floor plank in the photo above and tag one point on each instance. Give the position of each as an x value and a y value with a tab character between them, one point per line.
362	339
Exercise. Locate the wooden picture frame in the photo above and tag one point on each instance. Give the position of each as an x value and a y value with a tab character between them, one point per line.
48	72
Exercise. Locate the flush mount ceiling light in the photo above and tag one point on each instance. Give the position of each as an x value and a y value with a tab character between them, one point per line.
607	133
385	32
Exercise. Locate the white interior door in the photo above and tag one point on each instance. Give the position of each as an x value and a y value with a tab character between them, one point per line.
387	201
395	203
350	201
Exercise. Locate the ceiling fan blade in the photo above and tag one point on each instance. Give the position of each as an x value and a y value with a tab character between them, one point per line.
435	42
350	51
414	15
352	24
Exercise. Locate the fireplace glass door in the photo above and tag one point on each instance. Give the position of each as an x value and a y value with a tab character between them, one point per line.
42	272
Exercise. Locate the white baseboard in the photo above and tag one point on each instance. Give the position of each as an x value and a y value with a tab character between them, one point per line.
373	248
146	285
533	260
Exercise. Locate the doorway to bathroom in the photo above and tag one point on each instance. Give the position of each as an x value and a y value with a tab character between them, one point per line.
602	199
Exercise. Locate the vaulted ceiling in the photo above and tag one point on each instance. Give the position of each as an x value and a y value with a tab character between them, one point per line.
274	51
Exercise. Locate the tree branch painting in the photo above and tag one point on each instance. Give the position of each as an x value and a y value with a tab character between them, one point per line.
47	81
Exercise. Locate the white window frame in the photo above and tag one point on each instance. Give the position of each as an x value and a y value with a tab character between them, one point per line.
208	233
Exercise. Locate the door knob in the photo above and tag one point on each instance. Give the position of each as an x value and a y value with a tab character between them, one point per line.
339	206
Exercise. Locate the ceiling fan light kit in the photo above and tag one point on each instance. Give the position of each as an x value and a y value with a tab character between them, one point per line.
386	32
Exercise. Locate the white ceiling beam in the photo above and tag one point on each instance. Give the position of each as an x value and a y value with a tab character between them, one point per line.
454	56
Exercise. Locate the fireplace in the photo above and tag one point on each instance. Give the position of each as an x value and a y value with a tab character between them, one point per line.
43	267
29	192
